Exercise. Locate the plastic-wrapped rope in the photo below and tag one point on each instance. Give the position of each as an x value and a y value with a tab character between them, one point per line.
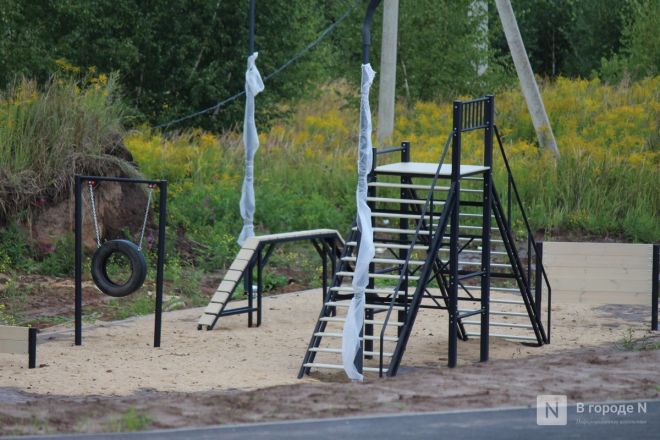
352	333
253	86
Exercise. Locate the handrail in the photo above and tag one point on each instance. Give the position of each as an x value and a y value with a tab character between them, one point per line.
530	235
404	270
366	29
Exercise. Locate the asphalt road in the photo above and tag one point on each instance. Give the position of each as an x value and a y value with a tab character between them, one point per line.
491	424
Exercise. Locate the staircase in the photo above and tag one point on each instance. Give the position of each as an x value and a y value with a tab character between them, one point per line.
443	241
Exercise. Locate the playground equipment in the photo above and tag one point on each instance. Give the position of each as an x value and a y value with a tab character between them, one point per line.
254	254
458	237
132	251
19	340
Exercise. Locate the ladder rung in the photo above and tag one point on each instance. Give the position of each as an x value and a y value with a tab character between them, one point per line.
400	215
338	351
478	263
498	324
407	201
418	247
380	275
366	306
500	335
341	367
387	261
496	289
506	301
350	289
397	231
366	321
495	312
368	338
417	186
476	228
473	239
472	251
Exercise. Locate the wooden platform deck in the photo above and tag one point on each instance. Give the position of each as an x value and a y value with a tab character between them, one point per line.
424	169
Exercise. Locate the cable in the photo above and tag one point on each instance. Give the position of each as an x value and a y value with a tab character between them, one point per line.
295	58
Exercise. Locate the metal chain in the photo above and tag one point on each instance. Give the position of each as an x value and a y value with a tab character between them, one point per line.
146	215
90	185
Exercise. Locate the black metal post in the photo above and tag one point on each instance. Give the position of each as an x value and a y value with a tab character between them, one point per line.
489	119
78	260
32	347
404	208
324	258
452	304
248	280
260	270
369	313
162	222
654	286
538	282
366	29
251	28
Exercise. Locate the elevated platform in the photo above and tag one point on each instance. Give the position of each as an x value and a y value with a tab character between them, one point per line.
424	169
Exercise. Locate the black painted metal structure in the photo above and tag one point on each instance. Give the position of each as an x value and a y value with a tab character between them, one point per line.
326	244
162	221
438	226
655	274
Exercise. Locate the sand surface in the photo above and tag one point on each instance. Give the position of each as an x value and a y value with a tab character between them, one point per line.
117	359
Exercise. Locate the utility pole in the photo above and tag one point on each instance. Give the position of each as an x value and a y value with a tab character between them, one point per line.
526	77
387	89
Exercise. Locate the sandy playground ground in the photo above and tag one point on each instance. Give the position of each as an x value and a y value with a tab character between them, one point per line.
117	359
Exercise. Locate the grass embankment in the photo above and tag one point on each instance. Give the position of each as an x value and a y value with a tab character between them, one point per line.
605	185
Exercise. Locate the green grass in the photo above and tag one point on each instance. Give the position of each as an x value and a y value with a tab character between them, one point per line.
130	421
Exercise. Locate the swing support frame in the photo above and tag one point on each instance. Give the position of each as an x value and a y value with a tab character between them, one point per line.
78	227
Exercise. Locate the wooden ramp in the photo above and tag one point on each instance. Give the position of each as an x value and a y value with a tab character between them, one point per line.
595	273
246	260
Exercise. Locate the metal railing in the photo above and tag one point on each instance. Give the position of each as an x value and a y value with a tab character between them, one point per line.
532	247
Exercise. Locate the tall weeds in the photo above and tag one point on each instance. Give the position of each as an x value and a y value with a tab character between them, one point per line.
48	134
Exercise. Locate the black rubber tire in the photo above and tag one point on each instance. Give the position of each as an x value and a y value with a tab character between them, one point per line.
100	262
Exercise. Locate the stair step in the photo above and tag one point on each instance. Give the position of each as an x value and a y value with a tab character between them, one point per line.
478	263
418	247
397	231
401	215
366	321
477	252
341	367
380	275
498	324
366	306
496	289
495	312
504	336
368	338
506	301
387	261
338	351
349	289
417	186
407	201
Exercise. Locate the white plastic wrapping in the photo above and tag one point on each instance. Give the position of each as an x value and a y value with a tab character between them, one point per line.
352	333
253	86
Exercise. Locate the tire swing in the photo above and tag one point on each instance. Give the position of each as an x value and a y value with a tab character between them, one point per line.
118	247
